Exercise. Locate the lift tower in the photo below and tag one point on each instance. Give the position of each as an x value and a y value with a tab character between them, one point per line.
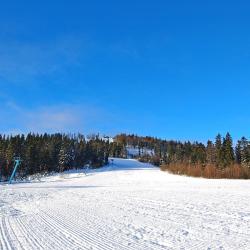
17	161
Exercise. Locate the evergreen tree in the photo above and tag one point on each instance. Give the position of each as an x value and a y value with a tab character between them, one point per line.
238	152
218	150
64	157
243	152
227	151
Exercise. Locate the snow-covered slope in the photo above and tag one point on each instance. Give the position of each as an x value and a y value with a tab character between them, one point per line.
128	205
135	151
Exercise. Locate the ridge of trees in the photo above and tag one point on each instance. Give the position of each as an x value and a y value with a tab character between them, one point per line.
219	159
50	153
59	152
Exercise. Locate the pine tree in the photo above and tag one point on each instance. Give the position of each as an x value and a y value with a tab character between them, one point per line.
227	151
243	152
218	151
64	157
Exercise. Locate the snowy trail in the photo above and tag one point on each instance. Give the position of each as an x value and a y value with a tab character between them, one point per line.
129	205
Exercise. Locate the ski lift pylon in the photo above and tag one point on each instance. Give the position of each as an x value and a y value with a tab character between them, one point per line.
17	160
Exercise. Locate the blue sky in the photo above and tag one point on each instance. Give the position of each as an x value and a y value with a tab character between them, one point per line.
171	69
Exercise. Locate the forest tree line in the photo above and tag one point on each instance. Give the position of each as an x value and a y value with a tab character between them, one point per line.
218	159
60	152
50	153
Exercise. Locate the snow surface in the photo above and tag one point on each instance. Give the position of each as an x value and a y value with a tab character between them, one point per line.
135	151
129	205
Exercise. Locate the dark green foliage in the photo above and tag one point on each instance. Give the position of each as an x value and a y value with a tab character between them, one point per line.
227	151
215	160
172	151
59	152
243	152
218	151
221	153
47	153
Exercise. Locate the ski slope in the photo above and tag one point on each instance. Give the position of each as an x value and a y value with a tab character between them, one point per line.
128	205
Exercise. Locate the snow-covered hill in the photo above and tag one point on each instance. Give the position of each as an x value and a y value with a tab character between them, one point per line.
127	205
133	152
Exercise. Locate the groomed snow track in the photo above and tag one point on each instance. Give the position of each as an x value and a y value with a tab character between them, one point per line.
128	205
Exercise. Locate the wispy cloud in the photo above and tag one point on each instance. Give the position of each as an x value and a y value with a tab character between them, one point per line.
22	60
41	119
52	119
68	118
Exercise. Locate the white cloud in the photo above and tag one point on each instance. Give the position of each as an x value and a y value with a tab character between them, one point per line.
67	118
52	119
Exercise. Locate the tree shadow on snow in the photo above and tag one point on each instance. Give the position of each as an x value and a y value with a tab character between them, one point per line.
59	187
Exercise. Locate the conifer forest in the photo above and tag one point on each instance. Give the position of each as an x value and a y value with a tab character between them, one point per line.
59	152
